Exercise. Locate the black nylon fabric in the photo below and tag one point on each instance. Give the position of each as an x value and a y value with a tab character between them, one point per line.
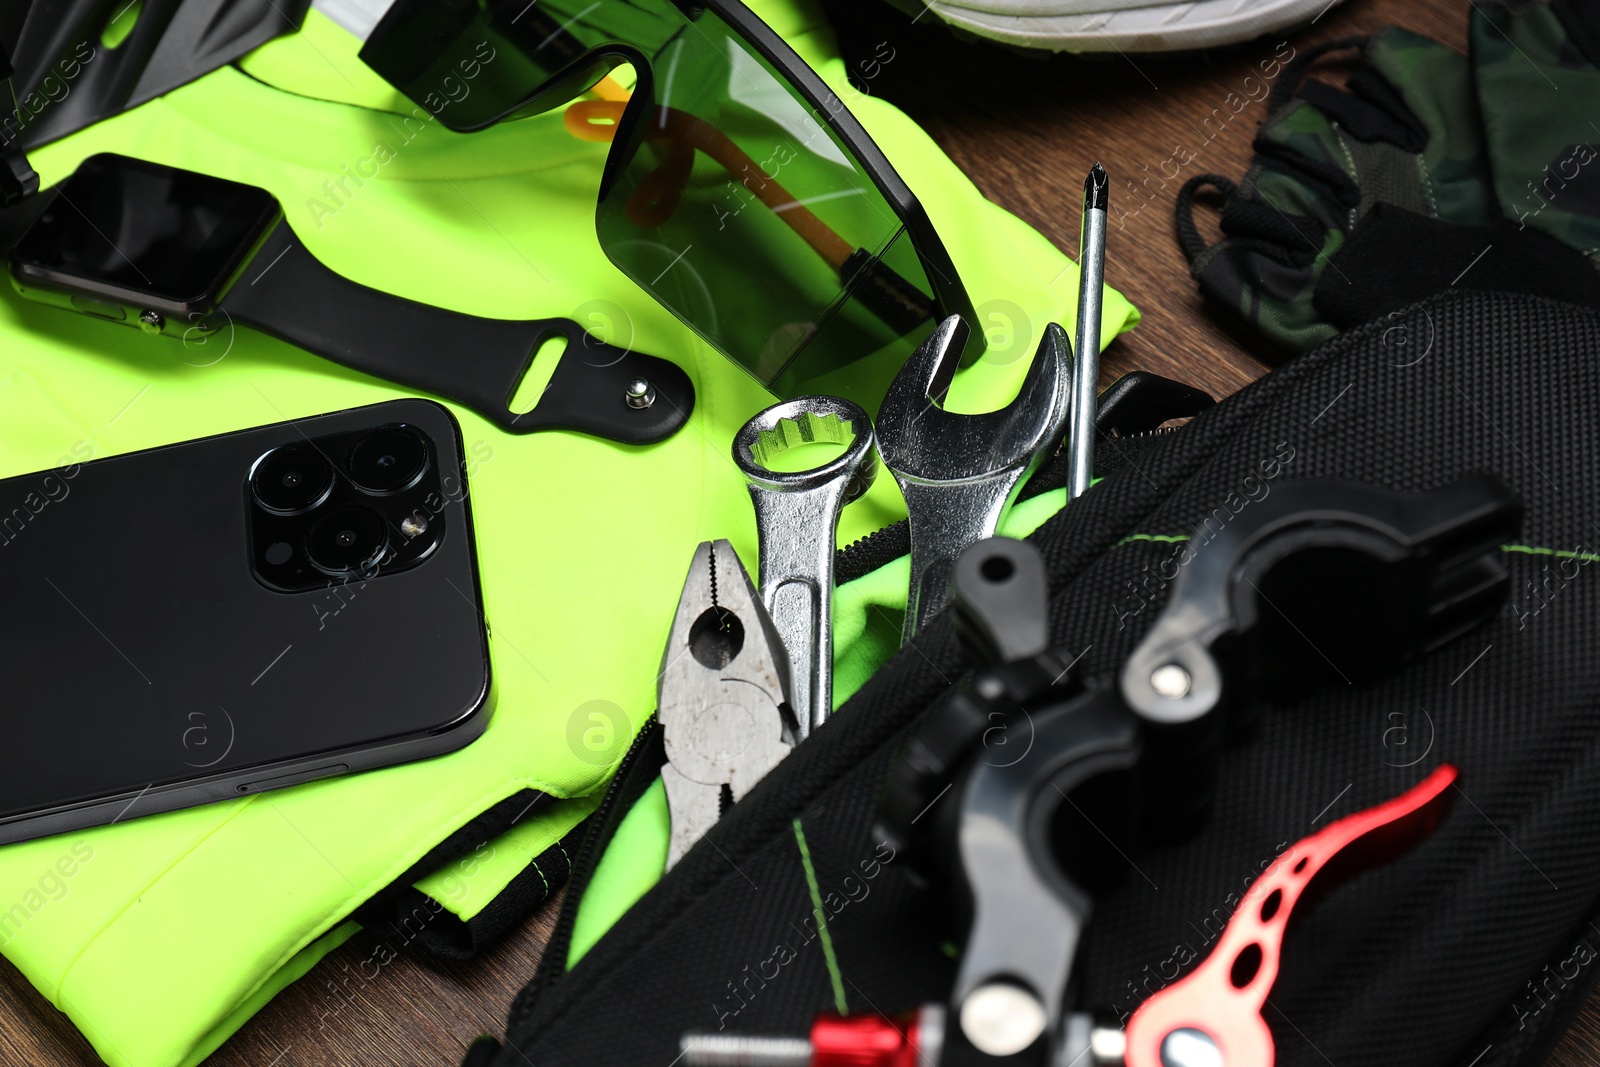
1427	960
1394	257
402	912
417	920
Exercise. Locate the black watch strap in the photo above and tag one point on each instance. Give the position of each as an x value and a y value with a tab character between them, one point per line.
286	292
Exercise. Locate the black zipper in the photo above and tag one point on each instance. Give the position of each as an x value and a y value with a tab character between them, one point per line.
603	824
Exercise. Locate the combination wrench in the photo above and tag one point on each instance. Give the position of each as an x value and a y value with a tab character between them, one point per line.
958	472
797	521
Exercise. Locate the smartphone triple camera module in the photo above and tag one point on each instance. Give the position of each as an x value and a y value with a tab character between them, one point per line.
346	507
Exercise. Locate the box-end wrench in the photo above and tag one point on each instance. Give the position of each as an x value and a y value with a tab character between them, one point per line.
797	521
958	472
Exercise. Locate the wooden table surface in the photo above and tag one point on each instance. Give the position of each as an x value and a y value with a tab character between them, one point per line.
1026	129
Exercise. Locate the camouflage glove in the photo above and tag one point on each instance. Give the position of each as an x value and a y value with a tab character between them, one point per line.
1366	198
1537	71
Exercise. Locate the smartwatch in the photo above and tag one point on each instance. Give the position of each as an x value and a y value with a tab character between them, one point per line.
181	254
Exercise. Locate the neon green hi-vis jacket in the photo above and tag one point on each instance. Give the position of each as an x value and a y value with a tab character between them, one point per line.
159	936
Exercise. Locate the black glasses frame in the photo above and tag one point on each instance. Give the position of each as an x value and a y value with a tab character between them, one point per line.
586	69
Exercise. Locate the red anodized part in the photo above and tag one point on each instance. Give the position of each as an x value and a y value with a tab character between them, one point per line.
1223	996
864	1041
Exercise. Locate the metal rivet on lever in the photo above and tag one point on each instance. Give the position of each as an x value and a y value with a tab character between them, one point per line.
1002	1019
1170	681
958	472
797	520
1190	1048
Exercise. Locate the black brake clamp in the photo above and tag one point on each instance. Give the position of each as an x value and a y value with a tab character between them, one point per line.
1393	575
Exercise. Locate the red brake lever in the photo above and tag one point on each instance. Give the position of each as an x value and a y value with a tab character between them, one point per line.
1219	1002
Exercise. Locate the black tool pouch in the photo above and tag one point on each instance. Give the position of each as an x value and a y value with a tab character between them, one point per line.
1474	948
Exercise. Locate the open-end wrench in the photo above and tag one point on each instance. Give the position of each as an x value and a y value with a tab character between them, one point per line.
958	472
797	520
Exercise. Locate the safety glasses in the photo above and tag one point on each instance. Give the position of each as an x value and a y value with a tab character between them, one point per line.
738	191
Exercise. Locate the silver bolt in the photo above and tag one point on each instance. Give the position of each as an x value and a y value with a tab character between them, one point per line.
1170	681
640	393
1001	1019
743	1050
1107	1044
151	321
1190	1048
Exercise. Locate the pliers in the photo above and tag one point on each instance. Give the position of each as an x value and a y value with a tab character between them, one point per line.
723	697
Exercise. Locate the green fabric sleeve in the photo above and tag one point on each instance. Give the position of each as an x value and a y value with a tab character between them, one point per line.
214	908
582	543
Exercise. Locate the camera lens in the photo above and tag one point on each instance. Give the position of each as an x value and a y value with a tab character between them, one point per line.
290	479
347	540
388	460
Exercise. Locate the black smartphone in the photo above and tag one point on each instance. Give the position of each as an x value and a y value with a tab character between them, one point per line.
213	618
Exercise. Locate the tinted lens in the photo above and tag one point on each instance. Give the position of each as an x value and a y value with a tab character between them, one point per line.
347	540
734	203
741	211
291	479
387	460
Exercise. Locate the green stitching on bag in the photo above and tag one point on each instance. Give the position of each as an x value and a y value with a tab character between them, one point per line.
822	922
1564	553
1527	550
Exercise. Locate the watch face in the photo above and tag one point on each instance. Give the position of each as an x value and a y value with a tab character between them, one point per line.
154	231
